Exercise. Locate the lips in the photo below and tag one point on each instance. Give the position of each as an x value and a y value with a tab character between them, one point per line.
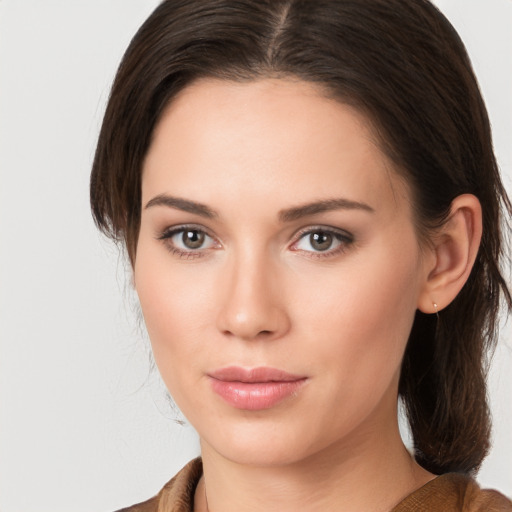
254	389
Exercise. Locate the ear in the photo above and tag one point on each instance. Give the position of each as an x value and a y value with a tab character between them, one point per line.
454	249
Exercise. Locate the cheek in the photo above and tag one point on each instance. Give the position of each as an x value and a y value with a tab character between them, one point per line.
177	306
362	316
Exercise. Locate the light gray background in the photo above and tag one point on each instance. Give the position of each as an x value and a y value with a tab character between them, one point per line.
82	427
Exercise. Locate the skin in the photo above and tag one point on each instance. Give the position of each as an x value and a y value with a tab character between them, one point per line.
258	293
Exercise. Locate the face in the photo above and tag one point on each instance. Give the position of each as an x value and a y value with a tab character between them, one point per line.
278	269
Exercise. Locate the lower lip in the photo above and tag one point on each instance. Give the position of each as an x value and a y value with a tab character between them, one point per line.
255	396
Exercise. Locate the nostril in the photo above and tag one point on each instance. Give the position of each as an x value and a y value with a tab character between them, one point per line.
252	321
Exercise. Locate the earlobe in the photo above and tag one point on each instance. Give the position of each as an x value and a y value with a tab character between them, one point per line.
455	247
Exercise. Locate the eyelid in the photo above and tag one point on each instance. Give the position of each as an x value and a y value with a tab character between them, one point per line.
326	229
342	235
172	230
168	233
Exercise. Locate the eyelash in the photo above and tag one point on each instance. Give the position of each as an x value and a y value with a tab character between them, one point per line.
344	239
169	233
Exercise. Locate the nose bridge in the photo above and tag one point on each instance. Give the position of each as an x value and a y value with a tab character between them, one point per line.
252	307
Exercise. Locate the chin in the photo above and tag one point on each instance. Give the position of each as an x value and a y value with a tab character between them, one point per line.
266	456
263	445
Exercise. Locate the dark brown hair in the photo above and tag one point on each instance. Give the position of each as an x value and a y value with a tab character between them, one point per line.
402	64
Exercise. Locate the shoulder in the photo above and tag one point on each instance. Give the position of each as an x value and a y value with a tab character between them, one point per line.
454	492
177	495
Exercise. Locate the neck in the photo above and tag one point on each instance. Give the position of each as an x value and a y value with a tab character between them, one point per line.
371	471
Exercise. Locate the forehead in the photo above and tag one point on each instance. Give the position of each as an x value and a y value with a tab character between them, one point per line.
220	138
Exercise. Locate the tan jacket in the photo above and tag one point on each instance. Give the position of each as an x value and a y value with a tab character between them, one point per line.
446	493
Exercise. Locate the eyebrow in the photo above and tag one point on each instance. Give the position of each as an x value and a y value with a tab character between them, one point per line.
297	212
182	204
286	215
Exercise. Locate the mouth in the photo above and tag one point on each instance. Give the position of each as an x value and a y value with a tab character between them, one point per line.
255	389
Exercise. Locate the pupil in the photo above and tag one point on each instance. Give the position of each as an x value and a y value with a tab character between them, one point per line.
320	241
193	239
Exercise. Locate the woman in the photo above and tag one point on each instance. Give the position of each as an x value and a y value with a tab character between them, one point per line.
311	207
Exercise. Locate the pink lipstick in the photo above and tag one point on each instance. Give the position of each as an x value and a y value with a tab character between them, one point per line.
254	389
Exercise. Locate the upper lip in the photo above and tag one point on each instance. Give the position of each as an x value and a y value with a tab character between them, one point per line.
253	375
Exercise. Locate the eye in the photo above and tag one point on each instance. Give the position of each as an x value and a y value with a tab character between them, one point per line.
320	240
188	241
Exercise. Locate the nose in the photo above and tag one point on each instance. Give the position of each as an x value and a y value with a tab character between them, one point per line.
253	306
